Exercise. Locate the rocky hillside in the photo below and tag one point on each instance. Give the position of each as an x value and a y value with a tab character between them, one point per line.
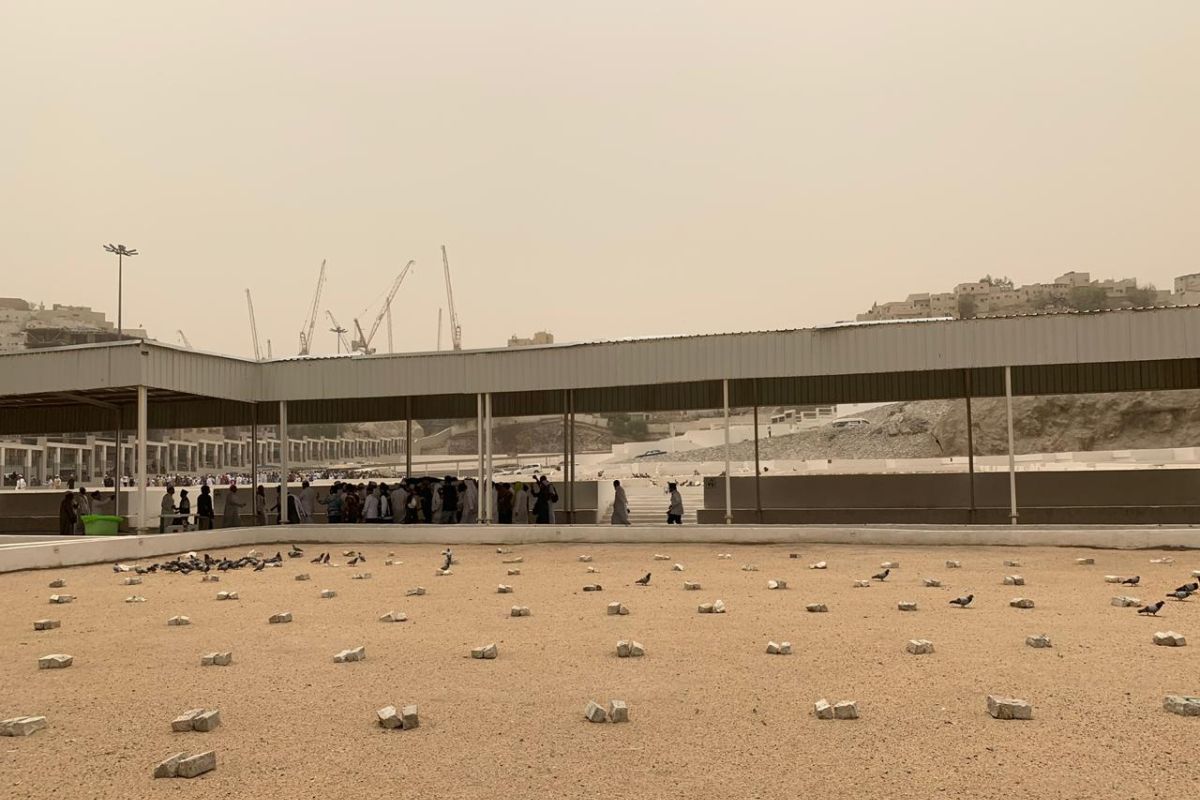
544	436
930	429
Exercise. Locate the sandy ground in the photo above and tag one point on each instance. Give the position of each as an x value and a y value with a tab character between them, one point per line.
712	714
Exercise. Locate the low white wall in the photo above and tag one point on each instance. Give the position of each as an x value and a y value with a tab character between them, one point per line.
71	551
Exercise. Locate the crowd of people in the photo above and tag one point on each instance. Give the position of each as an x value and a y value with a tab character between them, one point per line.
418	500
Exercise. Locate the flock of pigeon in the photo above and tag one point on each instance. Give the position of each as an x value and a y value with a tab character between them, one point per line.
1181	593
191	562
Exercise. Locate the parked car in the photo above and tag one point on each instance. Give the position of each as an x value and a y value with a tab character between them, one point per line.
849	422
649	453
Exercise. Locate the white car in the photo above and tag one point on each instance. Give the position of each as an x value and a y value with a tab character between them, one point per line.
849	422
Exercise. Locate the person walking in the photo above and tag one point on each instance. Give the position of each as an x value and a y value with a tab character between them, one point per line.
308	501
204	509
449	501
83	507
371	507
260	505
520	514
675	509
620	513
184	510
166	509
544	498
504	503
231	517
333	505
66	514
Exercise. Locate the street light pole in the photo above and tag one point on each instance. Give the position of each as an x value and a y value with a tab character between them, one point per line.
121	252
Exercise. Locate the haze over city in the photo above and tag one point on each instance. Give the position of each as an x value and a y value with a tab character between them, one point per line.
597	171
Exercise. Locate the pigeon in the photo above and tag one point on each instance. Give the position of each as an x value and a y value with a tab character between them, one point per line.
1131	581
362	557
297	550
318	559
261	566
643	581
1151	609
882	576
325	560
1178	595
962	602
1188	587
353	561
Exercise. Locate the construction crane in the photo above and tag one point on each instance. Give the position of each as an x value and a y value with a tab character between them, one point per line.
253	327
184	339
306	333
455	328
340	331
439	345
363	342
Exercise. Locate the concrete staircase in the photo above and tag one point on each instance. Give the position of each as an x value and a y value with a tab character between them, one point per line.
648	502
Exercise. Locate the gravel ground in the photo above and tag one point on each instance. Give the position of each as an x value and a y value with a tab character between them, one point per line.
712	714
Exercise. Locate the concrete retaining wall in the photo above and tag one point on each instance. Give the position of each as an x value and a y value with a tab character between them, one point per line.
70	551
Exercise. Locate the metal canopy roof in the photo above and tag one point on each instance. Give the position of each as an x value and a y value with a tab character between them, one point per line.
75	388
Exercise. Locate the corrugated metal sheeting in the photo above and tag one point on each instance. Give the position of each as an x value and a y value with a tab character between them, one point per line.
1050	354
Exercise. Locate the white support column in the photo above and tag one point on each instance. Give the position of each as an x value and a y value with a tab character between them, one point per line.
479	432
142	434
485	486
1012	460
728	490
283	462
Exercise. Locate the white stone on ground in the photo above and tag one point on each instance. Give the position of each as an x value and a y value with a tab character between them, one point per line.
217	659
661	557
486	651
55	661
394	616
1008	708
862	584
1014	580
409	718
59	583
283	616
847	709
21	726
198	764
135	598
303	576
615	608
1021	602
388	717
1175	703
59	599
519	611
1170	639
691	586
818	565
932	583
718	607
514	571
356	654
1113	579
705	608
414	592
585	559
778	583
361	576
210	579
46	624
1086	562
1011	563
594	712
779	648
953	564
749	568
441	573
180	620
618	711
822	709
1123	601
328	594
919	647
503	589
132	582
1039	641
816	608
677	568
890	565
227	595
906	606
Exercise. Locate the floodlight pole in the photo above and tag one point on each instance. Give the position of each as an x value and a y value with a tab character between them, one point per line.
121	251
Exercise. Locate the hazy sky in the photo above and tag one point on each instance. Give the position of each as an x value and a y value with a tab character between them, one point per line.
595	169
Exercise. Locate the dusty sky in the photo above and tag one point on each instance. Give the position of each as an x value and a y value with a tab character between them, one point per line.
595	169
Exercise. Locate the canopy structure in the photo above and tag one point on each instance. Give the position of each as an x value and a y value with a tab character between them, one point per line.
97	387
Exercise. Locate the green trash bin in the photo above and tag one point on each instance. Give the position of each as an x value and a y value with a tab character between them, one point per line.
101	524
